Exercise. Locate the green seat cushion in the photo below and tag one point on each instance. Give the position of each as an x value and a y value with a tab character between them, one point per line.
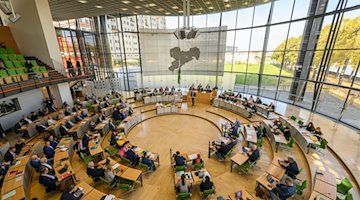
12	57
20	71
17	64
3	57
3	73
43	69
10	50
11	72
9	64
20	57
3	51
34	63
36	69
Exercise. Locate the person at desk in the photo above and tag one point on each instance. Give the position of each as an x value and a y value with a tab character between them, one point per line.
193	95
34	116
64	130
116	114
52	141
83	114
10	155
95	173
97	101
69	194
132	156
146	160
48	150
113	138
106	104
238	95
206	184
106	98
123	149
258	100
19	145
317	133
41	113
222	150
65	104
272	106
155	91
284	191
69	124
291	167
253	154
179	159
161	90
287	133
45	163
85	139
310	127
50	121
25	120
158	104
182	185
166	89
79	147
47	180
67	111
76	108
199	87
251	100
35	162
198	160
101	117
39	127
109	174
112	126
173	89
78	118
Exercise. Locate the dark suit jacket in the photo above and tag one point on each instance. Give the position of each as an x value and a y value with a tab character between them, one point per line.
112	126
49	152
95	173
254	156
40	128
206	186
85	141
8	157
130	154
35	164
49	183
63	131
116	115
66	195
53	143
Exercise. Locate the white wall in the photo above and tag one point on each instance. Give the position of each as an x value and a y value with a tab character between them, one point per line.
34	33
29	101
61	92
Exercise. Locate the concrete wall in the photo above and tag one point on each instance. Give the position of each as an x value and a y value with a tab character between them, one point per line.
29	101
34	32
61	92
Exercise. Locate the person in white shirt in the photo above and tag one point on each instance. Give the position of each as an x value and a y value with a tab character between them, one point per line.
159	104
25	120
50	121
44	162
109	174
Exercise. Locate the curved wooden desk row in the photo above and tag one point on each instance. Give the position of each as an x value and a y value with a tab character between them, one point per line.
161	98
166	109
18	177
238	109
275	139
129	122
96	106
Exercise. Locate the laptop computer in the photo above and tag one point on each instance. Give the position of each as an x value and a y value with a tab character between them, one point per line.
270	179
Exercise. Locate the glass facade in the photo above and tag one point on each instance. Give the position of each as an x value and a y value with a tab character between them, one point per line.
302	52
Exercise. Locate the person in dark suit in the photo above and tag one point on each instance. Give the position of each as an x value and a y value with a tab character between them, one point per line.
47	180
48	150
25	120
193	95
39	127
10	155
253	154
19	145
206	184
45	163
145	160
179	159
106	104
132	156
95	173
79	147
64	130
291	167
52	141
116	114
67	111
83	114
113	138
41	113
34	116
284	191
222	150
85	140
78	118
69	193
112	126
101	117
35	162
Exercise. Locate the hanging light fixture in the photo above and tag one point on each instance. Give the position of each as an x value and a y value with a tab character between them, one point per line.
186	32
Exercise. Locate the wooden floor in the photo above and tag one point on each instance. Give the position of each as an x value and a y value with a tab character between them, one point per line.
191	134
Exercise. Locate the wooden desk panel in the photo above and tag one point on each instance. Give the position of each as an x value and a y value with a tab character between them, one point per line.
94	195
245	195
19	194
275	171
239	158
86	187
12	184
325	189
327	177
131	174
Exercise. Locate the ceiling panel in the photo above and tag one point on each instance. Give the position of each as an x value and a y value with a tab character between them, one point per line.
70	9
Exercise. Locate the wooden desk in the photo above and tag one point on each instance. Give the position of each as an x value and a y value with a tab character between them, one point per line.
245	195
61	155
188	177
21	161
316	196
192	156
86	187
132	175
26	149
12	184
276	160
197	179
19	194
94	195
239	159
95	149
69	170
201	97
250	133
326	177
121	168
325	189
17	171
262	180
275	171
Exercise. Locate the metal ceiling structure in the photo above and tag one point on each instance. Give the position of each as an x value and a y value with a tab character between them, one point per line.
71	9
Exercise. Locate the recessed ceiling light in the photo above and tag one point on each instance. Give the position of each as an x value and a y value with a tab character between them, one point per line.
228	5
160	9
208	2
135	13
147	11
137	7
152	4
124	9
174	7
82	1
97	6
201	8
246	3
167	13
126	2
195	9
180	11
226	0
211	7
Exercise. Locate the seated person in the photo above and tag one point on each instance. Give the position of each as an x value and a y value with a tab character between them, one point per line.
206	184
41	113
179	159
52	141
86	138
145	160
39	127
182	185
101	117
48	150
10	155
272	106
198	160
318	133
287	133
19	145
69	194
69	124
78	118
64	130
3	170
291	167
116	114
107	103
258	100
113	138
35	162
109	174
65	104
83	114
51	121
95	173
67	111
79	147
45	163
222	150
310	127
123	149
253	154
284	191
34	116
47	180
25	120
132	156
158	104
112	126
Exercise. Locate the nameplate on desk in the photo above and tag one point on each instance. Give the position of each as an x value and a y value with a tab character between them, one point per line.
9	194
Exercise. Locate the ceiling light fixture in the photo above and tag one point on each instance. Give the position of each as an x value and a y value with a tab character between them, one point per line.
126	2
97	6
124	9
211	7
82	1
167	13
160	9
174	7
226	1
208	2
228	5
152	4
137	7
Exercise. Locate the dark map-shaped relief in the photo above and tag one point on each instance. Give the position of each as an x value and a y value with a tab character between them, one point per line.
182	57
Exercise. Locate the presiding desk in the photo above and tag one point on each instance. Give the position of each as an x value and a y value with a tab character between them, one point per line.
201	97
167	109
235	108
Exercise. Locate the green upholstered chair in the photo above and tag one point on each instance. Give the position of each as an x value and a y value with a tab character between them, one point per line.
244	168
9	64
344	186
301	187
291	143
260	142
208	192
34	63
111	150
10	50
144	167
18	64
2	51
198	166
110	185
3	57
180	168
86	159
293	117
20	57
126	161
12	57
183	195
